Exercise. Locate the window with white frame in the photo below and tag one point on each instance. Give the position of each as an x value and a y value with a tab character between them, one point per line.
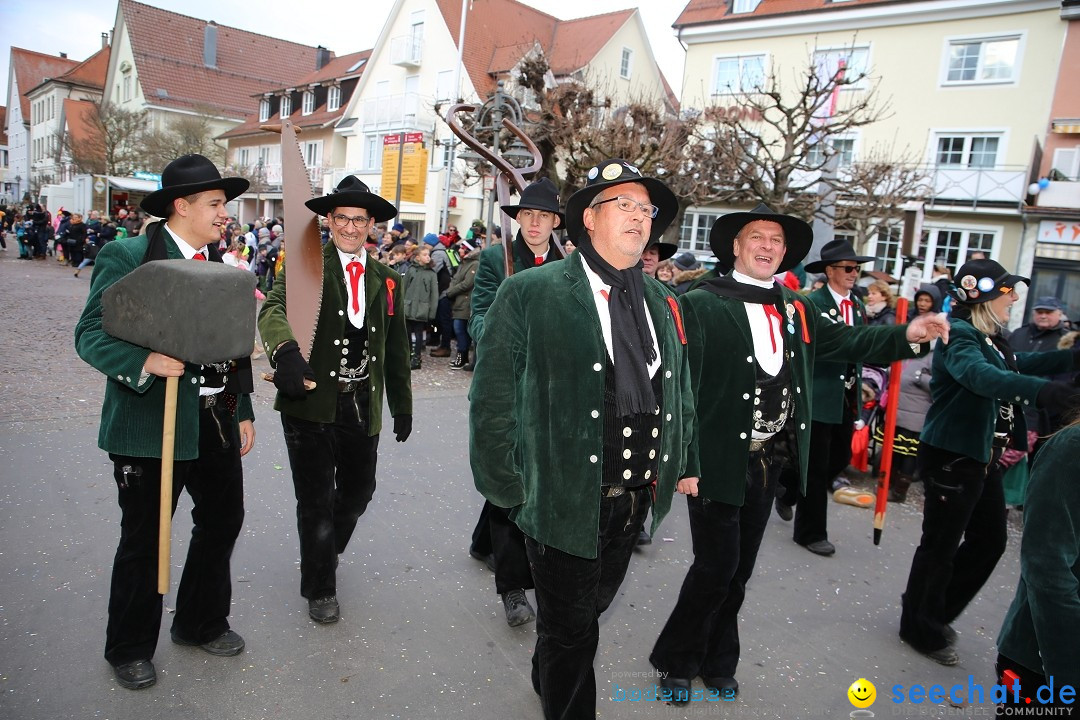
886	245
286	106
126	84
735	74
313	153
744	6
952	247
333	98
373	152
694	233
264	110
982	60
444	85
967	150
827	63
308	105
626	64
843	146
243	157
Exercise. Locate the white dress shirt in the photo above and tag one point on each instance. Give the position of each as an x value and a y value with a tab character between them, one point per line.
600	291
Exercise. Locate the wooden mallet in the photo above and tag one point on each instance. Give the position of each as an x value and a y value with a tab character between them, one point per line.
197	312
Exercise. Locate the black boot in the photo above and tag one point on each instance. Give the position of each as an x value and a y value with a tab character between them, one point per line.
417	353
898	488
458	362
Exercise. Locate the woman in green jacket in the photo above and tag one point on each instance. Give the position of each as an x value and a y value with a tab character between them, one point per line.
979	389
1040	638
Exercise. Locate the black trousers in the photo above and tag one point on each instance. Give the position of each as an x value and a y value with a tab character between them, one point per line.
508	544
571	594
701	637
215	482
963	537
444	321
333	471
829	454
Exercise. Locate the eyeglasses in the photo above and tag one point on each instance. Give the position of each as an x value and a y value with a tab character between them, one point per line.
342	221
846	268
630	205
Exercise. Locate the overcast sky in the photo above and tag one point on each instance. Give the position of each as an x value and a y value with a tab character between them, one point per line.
344	26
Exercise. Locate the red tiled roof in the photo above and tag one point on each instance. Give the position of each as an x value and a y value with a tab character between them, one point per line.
31	68
90	72
699	12
168	51
77	115
3	125
336	69
577	41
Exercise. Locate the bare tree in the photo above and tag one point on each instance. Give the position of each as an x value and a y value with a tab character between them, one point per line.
108	141
182	136
872	192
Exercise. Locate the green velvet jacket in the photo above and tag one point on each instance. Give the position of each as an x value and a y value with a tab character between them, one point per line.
1041	630
970	379
536	405
388	341
132	415
830	375
723	374
490	272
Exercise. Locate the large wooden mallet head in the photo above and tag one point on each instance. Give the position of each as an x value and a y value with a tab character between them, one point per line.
197	312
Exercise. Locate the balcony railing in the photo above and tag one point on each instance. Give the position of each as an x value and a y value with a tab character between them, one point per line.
406	51
390	111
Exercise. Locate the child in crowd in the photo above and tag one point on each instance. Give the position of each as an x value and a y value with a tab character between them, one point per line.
421	300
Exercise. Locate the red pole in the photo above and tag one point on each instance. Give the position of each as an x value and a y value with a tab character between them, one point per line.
895	371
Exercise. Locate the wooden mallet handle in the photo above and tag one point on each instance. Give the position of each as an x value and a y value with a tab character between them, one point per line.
168	442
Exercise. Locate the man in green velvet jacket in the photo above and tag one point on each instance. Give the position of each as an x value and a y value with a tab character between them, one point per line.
214	429
580	414
360	350
538	215
752	346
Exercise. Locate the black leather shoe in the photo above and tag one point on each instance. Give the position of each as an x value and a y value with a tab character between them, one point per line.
136	675
784	511
821	547
678	690
324	610
950	635
944	656
644	538
517	607
226	644
727	686
488	559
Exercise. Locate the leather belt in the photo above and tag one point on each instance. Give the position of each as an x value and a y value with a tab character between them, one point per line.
208	401
614	491
348	386
759	445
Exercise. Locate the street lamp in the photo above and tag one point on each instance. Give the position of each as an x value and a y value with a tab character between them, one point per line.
488	118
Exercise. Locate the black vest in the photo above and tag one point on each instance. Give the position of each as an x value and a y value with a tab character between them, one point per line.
772	399
354	353
631	443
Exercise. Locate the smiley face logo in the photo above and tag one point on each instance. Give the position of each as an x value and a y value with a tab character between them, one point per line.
862	693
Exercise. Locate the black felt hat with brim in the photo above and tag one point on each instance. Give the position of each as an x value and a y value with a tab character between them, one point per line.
541	195
798	235
617	172
664	250
352	192
838	250
979	281
189	175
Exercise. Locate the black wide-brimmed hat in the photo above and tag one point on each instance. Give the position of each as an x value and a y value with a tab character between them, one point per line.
616	172
798	236
836	251
664	250
979	281
188	175
540	195
352	192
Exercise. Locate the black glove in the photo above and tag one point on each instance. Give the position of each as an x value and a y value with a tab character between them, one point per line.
1058	398
291	370
402	427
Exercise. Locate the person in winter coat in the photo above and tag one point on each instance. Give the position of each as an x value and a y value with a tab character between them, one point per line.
687	270
927	299
460	294
421	300
880	304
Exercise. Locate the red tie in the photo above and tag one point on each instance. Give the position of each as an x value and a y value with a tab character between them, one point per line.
199	256
845	310
770	313
355	271
539	260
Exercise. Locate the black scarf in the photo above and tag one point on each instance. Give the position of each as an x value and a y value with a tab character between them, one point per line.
526	255
631	344
728	286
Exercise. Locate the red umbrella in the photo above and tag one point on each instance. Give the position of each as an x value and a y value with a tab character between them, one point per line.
890	432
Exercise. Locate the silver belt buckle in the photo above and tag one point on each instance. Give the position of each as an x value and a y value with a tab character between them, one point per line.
210	401
756	445
614	491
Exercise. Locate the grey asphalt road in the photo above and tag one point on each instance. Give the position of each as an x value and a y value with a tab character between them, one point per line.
422	633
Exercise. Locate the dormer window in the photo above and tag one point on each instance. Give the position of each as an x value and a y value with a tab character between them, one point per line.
744	6
264	110
309	102
333	98
286	106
